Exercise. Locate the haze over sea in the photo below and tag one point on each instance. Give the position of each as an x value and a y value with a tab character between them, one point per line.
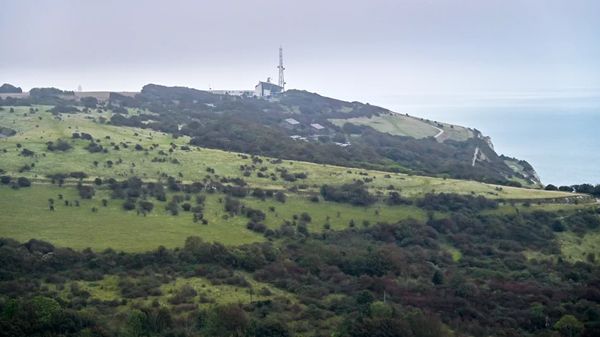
558	132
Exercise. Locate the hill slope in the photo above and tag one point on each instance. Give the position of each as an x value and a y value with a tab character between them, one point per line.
305	126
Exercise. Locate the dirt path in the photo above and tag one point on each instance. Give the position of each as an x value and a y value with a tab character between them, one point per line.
440	131
475	156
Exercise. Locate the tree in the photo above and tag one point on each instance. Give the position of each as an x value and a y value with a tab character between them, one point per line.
569	326
438	278
551	187
270	328
226	320
135	323
60	145
7	88
45	309
89	102
280	196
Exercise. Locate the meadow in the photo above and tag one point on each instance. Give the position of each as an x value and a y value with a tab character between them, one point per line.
26	212
35	130
403	125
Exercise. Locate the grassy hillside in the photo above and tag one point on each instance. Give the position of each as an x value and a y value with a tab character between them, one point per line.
214	243
27	213
35	130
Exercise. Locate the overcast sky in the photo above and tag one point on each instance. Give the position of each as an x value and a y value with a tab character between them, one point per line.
343	48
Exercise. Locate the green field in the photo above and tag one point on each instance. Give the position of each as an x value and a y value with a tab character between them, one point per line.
403	125
580	248
25	213
34	131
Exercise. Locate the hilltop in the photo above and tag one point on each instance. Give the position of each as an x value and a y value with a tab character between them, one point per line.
305	126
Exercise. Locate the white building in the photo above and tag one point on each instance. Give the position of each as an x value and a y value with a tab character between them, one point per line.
267	89
245	93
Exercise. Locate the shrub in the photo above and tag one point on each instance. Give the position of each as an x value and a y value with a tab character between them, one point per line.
394	198
232	206
129	205
23	182
86	191
451	202
27	153
173	208
256	227
145	206
94	147
280	196
355	194
59	145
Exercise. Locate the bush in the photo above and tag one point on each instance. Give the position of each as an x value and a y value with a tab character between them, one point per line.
256	226
173	208
232	206
281	197
27	153
185	294
394	198
78	175
63	109
451	202
255	215
60	145
355	194
23	182
94	147
86	191
129	205
145	206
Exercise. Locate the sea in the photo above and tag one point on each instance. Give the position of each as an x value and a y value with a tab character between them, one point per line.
557	132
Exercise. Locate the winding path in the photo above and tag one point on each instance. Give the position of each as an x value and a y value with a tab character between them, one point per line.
475	156
440	131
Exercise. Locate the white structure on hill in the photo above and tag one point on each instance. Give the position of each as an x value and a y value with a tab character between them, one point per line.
246	93
267	89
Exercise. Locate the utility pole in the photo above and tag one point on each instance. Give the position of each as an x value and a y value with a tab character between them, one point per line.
281	69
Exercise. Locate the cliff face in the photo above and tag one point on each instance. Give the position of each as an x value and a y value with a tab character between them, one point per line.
521	170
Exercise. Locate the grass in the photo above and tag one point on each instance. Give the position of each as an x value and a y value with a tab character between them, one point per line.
454	252
402	125
577	248
107	289
25	212
336	214
33	133
25	215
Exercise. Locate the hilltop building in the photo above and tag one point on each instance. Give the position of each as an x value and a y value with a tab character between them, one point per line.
266	89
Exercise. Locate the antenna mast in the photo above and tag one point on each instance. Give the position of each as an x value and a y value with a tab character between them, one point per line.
281	69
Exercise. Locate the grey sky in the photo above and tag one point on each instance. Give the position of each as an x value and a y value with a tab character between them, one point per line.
348	49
